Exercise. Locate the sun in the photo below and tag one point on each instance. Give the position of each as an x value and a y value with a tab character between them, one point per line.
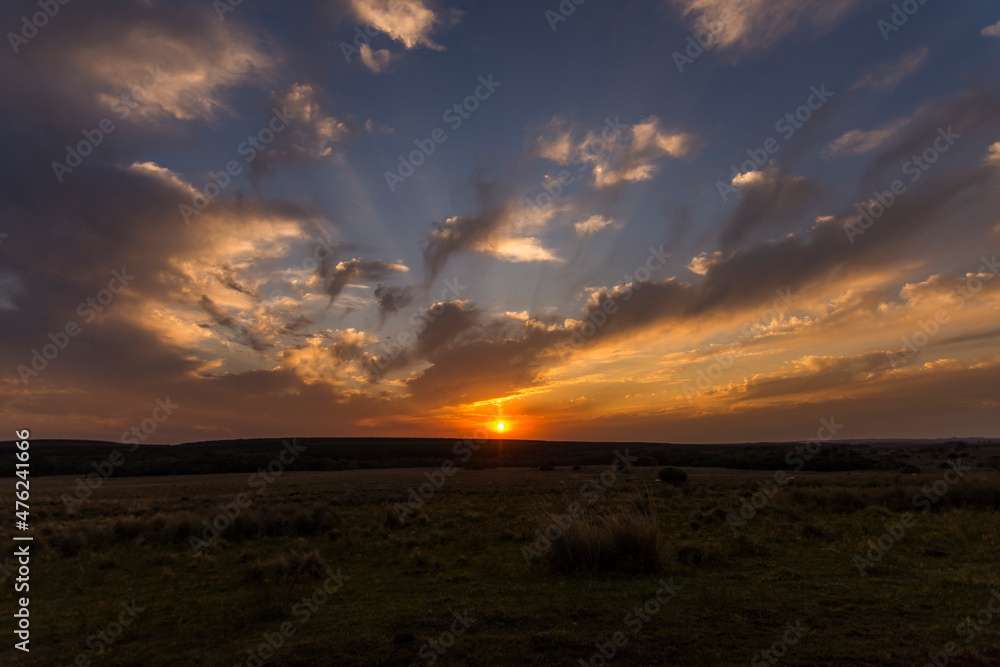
500	426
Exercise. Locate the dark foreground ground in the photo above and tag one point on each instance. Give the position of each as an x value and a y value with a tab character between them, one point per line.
316	565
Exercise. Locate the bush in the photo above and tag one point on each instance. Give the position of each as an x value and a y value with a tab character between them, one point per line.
674	476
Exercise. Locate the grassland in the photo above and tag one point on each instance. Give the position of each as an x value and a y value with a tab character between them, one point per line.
462	552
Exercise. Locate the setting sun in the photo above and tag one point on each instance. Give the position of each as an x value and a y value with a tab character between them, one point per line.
500	426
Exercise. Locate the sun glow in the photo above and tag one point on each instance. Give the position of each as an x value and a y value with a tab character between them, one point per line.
500	426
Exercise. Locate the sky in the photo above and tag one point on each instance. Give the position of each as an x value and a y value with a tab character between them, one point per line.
671	221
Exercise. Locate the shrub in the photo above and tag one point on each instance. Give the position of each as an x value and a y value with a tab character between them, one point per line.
674	476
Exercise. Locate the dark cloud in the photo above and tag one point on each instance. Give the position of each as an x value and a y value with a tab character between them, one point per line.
337	276
240	331
769	200
446	322
456	235
974	114
819	375
393	298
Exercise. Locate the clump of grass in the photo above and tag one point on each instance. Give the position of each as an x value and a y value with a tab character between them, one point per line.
619	540
126	528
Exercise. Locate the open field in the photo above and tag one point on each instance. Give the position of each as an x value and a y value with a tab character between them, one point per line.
729	597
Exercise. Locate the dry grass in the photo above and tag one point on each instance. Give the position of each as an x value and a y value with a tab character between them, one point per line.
622	538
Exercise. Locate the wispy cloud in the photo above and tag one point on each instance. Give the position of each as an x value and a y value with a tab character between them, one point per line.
594	224
409	22
626	154
892	74
753	26
859	142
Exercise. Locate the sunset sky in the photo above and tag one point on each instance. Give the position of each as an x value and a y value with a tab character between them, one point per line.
585	226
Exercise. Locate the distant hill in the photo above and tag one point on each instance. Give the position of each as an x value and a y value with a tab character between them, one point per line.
81	457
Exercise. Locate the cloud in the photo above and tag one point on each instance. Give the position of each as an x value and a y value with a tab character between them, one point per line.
409	22
523	249
242	333
311	133
991	30
973	111
891	75
376	61
754	26
498	231
859	142
349	344
701	264
392	298
768	197
450	320
336	278
993	156
815	376
619	153
594	224
195	62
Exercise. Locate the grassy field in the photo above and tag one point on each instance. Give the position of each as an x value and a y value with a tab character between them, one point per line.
319	563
